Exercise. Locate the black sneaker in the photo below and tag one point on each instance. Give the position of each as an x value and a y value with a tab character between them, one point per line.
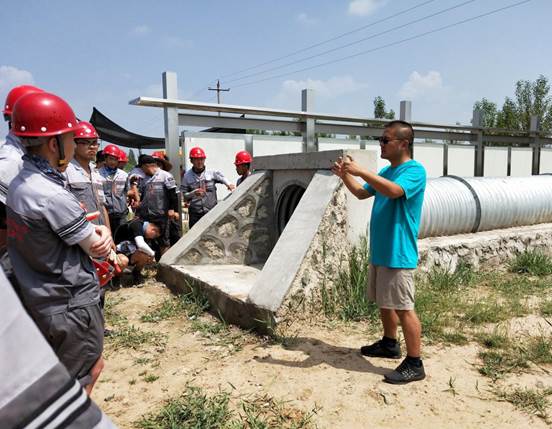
405	373
379	349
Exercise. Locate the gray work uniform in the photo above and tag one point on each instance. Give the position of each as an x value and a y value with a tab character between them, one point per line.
138	174
115	188
57	280
36	387
155	201
11	163
206	179
88	188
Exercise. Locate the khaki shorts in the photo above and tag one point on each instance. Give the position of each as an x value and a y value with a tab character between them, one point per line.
391	288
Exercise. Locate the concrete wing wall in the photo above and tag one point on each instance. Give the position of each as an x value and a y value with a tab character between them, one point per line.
238	230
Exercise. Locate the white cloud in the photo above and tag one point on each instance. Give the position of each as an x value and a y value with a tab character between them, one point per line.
12	76
303	18
365	7
140	30
420	85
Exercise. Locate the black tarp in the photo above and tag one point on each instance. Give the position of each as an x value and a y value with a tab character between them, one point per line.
113	133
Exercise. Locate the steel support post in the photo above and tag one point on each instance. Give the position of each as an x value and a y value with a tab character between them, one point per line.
536	145
248	140
310	142
479	161
445	159
170	114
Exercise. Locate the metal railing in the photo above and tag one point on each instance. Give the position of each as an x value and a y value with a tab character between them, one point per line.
309	124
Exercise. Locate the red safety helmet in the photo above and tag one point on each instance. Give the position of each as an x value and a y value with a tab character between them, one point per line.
41	114
112	150
243	157
123	156
197	152
85	130
15	94
159	154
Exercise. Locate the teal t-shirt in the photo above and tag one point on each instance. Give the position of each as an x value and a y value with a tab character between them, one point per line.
395	222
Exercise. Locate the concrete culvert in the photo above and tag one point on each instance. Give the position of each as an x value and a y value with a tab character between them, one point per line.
287	203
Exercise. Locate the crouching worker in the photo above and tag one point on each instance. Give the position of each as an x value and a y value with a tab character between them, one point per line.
132	241
50	242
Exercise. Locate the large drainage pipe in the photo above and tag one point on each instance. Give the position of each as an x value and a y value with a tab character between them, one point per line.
457	205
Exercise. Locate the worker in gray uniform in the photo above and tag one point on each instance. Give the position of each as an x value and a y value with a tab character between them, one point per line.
135	181
11	163
159	201
83	180
115	187
36	388
50	242
199	186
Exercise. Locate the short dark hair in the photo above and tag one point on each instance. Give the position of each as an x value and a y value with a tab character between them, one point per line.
404	130
100	156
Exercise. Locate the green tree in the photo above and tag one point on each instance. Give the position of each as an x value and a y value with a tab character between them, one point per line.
131	161
379	109
507	117
488	108
531	98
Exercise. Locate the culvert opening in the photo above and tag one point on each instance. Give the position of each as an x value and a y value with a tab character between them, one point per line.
287	203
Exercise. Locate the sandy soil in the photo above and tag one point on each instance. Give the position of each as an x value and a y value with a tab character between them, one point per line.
322	370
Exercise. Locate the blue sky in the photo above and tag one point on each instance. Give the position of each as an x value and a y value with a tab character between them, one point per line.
104	53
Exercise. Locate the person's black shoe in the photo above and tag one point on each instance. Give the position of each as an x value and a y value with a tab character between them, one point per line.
382	350
406	372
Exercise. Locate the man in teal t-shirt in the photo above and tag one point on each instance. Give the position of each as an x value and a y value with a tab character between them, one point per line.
399	195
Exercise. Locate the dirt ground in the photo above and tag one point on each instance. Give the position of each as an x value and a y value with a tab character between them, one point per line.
321	372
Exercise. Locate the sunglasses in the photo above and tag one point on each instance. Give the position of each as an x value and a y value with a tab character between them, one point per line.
89	143
385	140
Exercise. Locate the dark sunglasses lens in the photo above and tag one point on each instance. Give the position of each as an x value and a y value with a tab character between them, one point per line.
383	140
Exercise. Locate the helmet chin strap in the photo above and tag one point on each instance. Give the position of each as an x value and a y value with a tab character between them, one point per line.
62	162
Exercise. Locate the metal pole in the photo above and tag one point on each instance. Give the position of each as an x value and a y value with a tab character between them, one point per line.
479	163
310	142
509	165
406	111
445	159
249	143
170	90
534	131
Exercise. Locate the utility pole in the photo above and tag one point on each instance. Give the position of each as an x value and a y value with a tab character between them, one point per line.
219	90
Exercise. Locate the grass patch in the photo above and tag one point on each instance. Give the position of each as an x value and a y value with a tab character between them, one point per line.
150	378
191	304
529	400
130	337
505	355
345	297
111	315
531	262
496	363
494	340
195	409
546	308
539	349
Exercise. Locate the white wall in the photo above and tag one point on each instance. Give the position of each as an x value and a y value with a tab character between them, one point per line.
221	150
496	161
546	161
521	161
461	160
